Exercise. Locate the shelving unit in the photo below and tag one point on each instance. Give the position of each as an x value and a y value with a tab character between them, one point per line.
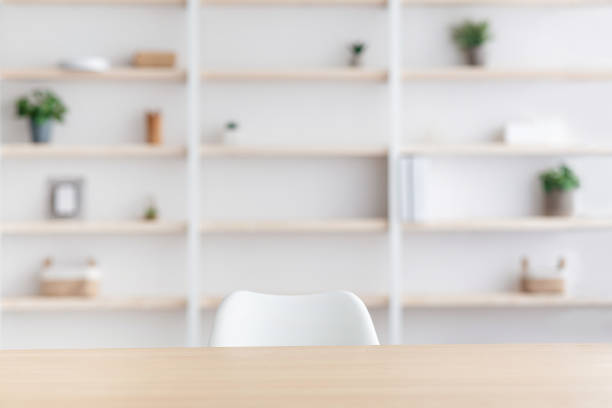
115	74
363	225
44	151
392	76
224	151
315	74
92	227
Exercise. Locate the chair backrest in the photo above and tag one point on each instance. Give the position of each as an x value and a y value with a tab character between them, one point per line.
248	319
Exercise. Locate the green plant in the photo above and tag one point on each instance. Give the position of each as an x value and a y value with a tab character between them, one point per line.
561	179
470	34
358	48
41	106
231	125
150	213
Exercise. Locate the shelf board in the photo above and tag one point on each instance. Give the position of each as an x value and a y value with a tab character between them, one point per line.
492	300
500	149
323	74
503	2
295	2
77	304
98	2
61	227
511	224
35	151
519	74
264	151
359	225
115	74
211	302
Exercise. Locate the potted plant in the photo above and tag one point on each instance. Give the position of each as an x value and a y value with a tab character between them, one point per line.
42	107
470	37
559	185
231	132
357	50
151	213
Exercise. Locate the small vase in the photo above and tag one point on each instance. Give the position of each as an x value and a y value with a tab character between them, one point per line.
231	136
558	203
41	132
475	56
356	60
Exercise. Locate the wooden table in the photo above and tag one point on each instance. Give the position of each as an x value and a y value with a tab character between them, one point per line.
467	376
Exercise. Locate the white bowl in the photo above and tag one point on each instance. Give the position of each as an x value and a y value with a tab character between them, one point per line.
86	64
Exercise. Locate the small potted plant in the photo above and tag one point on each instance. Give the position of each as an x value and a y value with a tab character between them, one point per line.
42	107
231	132
357	50
151	213
470	37
559	185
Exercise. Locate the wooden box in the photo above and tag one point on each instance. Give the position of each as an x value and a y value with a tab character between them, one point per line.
75	287
154	59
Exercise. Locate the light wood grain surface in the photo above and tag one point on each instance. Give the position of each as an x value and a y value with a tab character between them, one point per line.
465	376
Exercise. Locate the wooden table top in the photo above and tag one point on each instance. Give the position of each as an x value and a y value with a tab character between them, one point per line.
462	376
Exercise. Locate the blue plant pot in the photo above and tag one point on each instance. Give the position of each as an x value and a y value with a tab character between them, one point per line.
41	132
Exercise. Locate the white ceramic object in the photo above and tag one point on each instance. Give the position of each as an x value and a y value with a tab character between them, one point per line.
231	136
86	64
552	131
248	319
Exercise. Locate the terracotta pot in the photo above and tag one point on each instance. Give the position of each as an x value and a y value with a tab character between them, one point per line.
475	56
558	203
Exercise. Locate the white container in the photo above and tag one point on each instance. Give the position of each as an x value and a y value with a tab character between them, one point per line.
553	131
86	64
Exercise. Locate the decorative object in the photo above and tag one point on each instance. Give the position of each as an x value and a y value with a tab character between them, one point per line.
357	50
66	198
86	64
151	213
231	132
552	131
559	185
42	107
154	59
154	128
470	37
545	280
69	280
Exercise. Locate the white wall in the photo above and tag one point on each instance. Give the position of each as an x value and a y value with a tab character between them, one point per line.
301	114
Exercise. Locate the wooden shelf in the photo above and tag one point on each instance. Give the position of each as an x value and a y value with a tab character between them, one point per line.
257	151
211	302
92	228
487	74
511	224
115	74
360	225
503	2
75	304
324	74
36	151
500	149
492	300
295	2
98	2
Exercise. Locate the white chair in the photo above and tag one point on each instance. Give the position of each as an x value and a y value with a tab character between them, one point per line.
248	319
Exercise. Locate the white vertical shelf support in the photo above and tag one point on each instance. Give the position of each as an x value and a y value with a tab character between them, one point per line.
393	174
193	174
1	216
413	188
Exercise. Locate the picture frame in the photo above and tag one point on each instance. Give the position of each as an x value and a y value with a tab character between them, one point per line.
66	198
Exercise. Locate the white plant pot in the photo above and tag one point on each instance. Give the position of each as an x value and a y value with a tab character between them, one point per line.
231	137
